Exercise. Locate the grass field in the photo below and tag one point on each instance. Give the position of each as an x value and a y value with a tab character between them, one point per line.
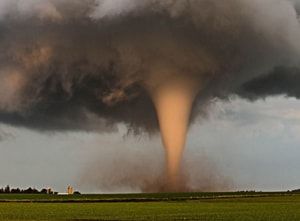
185	206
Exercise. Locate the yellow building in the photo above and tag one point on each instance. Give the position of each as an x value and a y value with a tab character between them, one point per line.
49	191
70	190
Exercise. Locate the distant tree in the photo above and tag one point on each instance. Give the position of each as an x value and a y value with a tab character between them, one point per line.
7	189
30	191
77	193
15	191
44	191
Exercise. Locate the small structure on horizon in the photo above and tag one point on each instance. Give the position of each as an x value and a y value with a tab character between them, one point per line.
70	190
49	190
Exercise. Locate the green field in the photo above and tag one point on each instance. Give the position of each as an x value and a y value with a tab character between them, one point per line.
185	206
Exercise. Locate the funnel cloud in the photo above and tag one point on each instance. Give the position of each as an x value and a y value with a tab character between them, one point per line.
71	65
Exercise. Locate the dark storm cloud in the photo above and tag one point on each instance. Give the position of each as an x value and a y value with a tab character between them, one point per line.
88	65
281	81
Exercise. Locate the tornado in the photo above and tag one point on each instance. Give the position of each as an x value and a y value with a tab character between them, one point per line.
173	100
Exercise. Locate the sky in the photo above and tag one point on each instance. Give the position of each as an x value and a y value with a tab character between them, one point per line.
76	75
254	145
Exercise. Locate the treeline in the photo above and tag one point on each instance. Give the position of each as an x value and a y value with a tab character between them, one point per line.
296	191
8	190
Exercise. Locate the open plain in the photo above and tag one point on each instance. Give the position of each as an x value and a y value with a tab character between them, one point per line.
164	206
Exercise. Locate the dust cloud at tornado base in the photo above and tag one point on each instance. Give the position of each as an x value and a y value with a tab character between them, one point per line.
138	165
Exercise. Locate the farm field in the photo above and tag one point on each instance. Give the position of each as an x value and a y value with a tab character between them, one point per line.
185	206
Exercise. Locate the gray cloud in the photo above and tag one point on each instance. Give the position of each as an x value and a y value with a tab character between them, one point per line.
5	135
281	81
88	65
